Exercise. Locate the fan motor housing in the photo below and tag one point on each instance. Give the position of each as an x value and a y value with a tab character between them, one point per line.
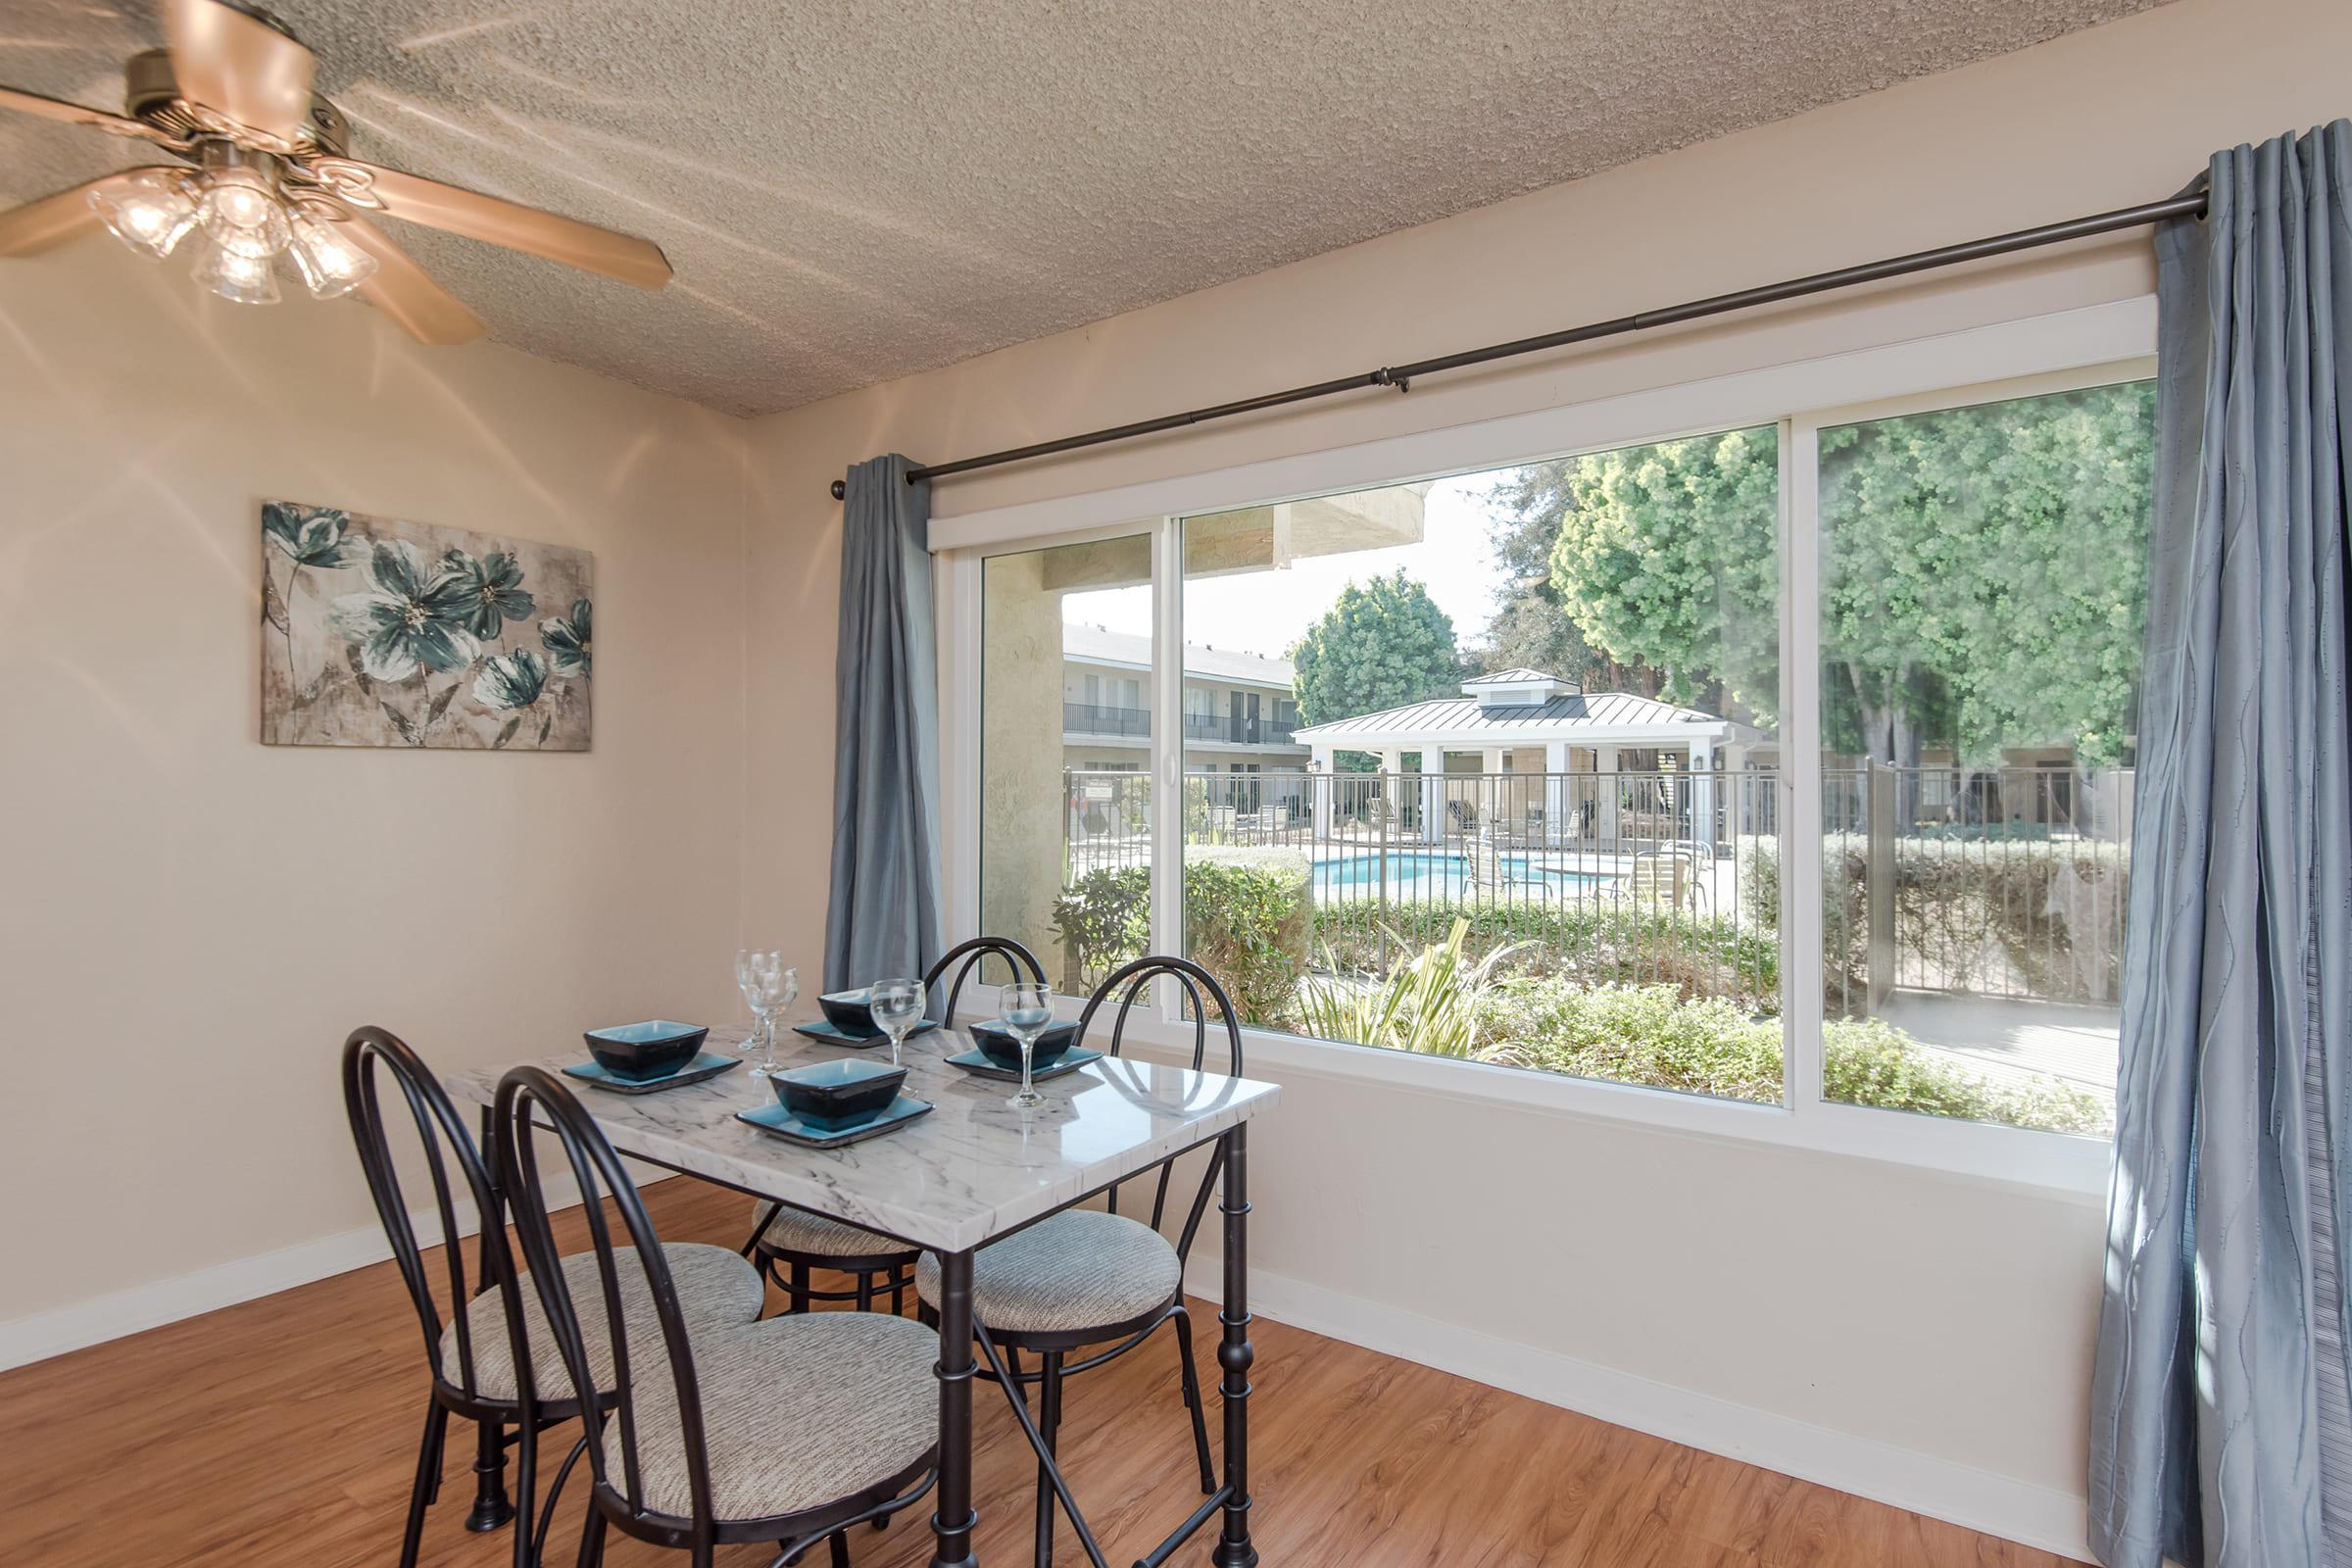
151	94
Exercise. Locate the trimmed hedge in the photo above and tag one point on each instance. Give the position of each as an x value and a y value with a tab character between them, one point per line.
1246	921
1963	907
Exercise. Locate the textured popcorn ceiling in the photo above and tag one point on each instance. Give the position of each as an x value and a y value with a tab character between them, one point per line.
858	191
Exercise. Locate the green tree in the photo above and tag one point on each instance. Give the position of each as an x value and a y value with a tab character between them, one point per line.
1668	556
1530	628
1983	577
1382	644
1984	570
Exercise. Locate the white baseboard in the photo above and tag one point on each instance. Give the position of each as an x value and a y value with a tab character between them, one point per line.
39	1335
1904	1478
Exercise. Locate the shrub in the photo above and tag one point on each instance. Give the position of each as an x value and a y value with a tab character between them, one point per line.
1432	1005
1246	923
1867	1062
1649	1035
1246	916
1594	943
1637	1034
1104	918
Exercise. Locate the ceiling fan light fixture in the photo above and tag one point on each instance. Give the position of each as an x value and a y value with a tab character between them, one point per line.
233	274
241	213
151	210
330	265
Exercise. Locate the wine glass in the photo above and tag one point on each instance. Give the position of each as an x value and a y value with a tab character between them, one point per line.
896	1005
748	962
768	987
1025	1008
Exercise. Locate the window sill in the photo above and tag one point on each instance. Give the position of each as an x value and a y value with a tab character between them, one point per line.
2053	1165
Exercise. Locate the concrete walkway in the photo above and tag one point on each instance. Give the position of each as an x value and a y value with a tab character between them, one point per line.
2014	1039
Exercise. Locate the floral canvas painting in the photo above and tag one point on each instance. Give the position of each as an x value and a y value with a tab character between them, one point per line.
378	632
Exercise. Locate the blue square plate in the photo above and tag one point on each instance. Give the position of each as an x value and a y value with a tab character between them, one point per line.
979	1062
709	1064
784	1124
819	1029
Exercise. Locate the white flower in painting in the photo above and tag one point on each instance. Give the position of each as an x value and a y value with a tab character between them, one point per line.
412	619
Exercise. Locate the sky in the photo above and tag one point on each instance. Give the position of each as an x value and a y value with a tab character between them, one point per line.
1266	612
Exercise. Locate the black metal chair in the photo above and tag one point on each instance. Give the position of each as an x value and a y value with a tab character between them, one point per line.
790	1430
474	1357
1084	1276
789	1244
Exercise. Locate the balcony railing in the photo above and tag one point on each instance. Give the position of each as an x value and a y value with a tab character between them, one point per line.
1239	731
1101	719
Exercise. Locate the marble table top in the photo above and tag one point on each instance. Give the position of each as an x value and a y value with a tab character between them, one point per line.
970	1170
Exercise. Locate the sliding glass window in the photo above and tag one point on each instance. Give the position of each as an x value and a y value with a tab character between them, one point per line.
1066	754
1983	599
1491	767
1479	756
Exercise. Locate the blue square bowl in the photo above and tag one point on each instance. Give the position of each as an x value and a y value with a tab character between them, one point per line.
639	1051
997	1042
851	1011
836	1096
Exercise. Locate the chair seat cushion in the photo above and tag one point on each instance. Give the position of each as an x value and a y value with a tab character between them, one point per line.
1081	1269
817	1236
797	1412
716	1288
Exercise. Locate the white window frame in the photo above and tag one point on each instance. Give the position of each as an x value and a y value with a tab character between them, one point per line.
2094	346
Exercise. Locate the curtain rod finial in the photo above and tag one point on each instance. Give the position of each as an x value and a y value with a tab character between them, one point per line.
838	489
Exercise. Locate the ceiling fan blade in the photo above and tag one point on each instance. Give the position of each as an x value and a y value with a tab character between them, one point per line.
228	60
37	226
517	228
402	290
32	103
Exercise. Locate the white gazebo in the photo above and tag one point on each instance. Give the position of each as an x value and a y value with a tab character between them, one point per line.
1523	721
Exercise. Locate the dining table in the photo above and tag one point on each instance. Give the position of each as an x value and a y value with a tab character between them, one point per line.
973	1170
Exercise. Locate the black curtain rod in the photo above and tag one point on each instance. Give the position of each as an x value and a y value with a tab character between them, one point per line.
1401	377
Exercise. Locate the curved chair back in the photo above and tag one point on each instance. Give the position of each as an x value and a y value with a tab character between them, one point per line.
369	1054
972	956
1131	984
531	1105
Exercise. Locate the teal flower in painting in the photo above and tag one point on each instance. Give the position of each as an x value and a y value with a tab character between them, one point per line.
511	680
312	537
565	639
492	590
409	619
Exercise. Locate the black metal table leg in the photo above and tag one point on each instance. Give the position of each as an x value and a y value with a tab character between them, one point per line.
953	1517
1234	1354
490	1508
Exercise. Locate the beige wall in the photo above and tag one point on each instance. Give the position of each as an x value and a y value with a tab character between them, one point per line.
1943	1316
191	921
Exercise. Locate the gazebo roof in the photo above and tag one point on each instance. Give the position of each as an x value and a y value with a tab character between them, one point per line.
1582	717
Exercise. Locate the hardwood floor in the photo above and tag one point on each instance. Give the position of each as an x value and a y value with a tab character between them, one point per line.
283	1432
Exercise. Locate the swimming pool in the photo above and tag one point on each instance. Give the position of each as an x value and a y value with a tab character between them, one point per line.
1430	874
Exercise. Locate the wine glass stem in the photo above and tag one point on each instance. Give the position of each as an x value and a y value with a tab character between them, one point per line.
1028	1052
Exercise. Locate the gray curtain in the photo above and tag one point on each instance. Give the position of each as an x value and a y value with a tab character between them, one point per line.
884	917
2219	1432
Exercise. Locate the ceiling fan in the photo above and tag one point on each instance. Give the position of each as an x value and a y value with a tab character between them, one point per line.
232	96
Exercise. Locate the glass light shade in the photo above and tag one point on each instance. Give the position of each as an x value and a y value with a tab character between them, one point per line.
243	215
150	211
329	263
235	275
